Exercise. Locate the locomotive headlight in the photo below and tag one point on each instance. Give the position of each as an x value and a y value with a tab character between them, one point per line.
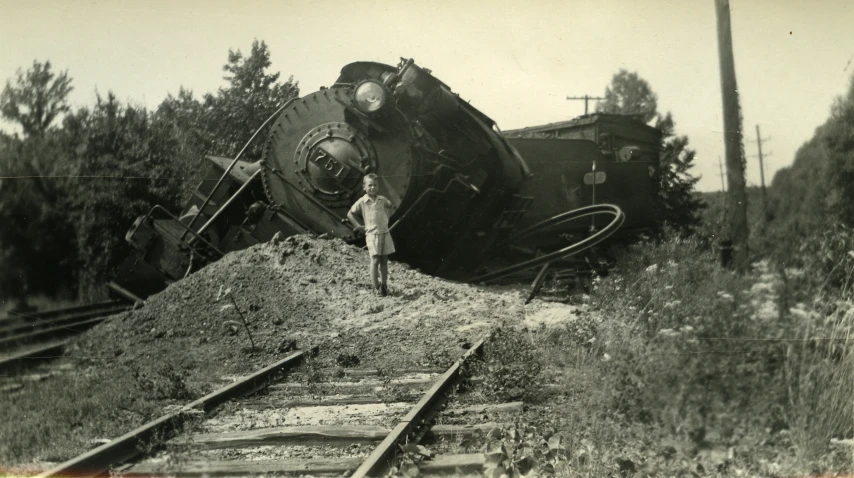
370	96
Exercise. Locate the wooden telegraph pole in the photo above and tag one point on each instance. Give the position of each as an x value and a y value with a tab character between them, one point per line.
759	140
586	98
736	200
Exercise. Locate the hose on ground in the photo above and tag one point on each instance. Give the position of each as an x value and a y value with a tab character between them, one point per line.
586	243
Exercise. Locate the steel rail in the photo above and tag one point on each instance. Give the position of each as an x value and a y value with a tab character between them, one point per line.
45	314
42	352
416	420
68	321
128	446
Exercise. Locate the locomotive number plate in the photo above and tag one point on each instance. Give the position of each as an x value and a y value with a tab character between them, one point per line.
329	164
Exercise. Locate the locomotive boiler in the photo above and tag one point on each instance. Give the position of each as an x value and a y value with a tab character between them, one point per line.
453	178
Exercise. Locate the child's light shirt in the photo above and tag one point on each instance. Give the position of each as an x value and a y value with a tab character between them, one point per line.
375	213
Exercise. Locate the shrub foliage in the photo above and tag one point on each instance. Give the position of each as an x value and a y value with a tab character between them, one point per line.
75	181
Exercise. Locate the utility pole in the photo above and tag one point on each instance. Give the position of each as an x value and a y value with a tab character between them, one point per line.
721	167
759	140
585	98
736	199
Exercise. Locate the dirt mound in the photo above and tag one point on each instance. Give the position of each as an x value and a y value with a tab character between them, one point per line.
298	292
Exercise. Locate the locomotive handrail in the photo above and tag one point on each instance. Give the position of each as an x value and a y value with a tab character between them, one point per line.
186	230
227	203
424	194
584	244
231	166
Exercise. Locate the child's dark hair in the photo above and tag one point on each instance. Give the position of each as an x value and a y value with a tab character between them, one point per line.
369	176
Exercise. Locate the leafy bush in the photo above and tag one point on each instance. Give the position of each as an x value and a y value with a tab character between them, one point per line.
522	450
706	359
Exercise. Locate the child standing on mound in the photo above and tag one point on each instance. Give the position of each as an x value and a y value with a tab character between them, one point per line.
374	211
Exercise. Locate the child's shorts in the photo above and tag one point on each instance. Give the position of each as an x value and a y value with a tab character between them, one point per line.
379	244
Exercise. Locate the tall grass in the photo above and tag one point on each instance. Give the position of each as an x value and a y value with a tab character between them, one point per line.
676	364
820	382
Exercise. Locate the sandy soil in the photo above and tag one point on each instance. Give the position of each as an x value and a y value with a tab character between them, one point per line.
304	292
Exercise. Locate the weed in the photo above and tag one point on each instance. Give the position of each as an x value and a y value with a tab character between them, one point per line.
166	383
230	295
392	391
510	367
820	384
438	357
521	450
313	378
410	458
178	453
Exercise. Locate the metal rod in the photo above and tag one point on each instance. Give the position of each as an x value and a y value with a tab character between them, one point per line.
221	210
231	166
177	221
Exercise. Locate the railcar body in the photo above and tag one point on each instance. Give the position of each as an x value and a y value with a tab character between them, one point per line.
590	160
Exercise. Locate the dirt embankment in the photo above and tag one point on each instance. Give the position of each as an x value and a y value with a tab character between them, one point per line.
190	339
303	292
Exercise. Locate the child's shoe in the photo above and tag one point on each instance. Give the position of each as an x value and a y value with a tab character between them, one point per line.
383	290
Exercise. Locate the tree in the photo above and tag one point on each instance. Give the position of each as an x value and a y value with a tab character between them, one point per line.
37	98
222	122
838	142
37	241
126	166
629	94
233	115
818	187
675	202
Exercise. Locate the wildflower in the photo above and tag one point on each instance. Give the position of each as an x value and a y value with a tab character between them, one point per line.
799	312
762	287
765	311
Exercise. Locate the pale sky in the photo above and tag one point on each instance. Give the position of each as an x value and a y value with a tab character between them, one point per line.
515	61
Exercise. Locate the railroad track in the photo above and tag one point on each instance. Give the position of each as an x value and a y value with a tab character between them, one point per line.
354	421
31	337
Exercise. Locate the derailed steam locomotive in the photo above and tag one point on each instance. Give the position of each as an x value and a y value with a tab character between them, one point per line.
453	178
